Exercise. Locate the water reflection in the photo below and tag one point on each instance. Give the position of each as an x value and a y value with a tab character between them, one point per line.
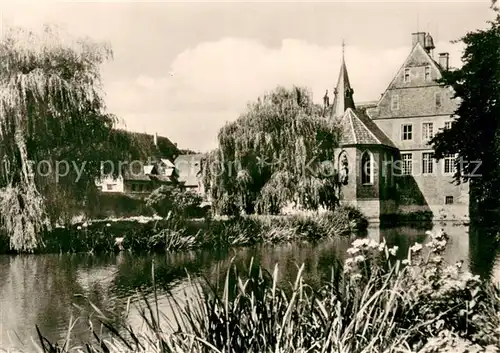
40	289
483	252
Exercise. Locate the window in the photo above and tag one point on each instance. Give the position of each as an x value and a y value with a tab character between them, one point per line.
447	125
449	164
407	163
448	200
367	168
406	132
438	99
427	131
109	187
395	102
427	73
407	75
134	187
427	163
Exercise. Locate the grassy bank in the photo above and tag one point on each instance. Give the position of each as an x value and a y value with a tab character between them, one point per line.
372	304
174	234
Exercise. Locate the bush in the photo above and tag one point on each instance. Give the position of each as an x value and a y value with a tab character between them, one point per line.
169	199
107	204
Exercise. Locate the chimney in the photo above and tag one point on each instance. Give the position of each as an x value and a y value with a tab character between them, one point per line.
444	61
418	37
155	139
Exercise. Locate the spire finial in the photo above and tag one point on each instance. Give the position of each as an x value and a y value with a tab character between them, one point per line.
343	48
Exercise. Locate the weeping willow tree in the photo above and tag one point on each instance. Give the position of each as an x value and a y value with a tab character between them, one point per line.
51	117
278	152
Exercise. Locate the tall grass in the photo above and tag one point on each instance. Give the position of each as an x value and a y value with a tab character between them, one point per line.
372	303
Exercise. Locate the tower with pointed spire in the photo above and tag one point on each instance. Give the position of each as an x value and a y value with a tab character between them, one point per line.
343	92
383	150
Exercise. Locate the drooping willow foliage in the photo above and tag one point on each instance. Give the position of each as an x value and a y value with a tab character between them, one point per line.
279	151
51	114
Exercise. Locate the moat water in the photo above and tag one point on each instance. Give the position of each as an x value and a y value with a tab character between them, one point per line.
48	290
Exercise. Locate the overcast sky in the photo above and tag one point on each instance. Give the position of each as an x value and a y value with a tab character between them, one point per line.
184	69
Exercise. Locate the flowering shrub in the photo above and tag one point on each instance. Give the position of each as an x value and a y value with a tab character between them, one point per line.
442	307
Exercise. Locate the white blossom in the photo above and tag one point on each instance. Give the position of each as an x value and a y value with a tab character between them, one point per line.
393	250
416	247
352	251
359	258
360	243
373	244
437	259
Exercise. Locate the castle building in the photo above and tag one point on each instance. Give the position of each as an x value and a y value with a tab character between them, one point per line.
385	162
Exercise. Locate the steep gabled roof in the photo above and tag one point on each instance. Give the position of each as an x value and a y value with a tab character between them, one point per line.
142	146
417	50
359	129
167	163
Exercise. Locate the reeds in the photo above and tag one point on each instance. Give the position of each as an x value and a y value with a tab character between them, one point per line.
373	303
178	234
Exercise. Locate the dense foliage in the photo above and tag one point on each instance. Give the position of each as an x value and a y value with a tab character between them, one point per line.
169	199
277	152
54	131
476	85
177	233
51	110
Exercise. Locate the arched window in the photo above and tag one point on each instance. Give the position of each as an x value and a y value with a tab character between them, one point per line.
367	168
343	166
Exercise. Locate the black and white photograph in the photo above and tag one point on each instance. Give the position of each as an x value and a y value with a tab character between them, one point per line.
249	176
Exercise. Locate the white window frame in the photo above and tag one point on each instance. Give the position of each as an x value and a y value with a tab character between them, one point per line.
371	170
410	134
429	163
407	169
447	122
406	75
452	159
429	133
